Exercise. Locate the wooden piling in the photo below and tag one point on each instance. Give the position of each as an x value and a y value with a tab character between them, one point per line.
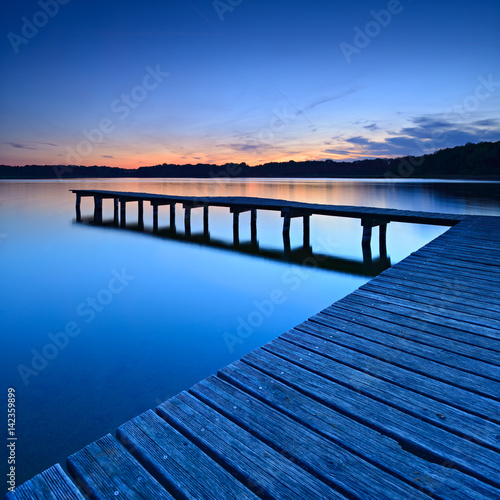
116	219
206	229
172	226
78	208
155	217
123	212
187	220
97	210
140	214
253	227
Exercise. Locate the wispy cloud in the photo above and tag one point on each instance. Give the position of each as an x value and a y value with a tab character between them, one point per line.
32	146
257	148
17	145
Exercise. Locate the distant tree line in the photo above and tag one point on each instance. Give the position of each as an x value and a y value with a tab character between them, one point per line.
470	161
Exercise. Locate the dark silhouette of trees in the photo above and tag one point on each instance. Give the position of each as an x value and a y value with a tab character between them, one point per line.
470	161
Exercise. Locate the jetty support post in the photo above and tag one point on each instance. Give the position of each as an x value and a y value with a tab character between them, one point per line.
97	209
236	227
78	207
236	211
140	214
286	232
187	219
383	241
368	224
307	232
206	229
123	213
253	227
288	215
155	217
172	227
116	219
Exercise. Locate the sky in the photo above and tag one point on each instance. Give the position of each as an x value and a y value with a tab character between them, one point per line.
130	84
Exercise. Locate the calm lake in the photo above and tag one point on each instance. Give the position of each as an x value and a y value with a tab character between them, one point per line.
100	324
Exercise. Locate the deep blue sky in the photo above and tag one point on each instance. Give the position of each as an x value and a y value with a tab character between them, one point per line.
255	81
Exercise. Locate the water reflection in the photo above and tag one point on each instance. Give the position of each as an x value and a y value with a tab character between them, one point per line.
303	256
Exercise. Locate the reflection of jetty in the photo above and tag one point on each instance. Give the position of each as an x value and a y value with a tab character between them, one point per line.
302	256
370	217
391	392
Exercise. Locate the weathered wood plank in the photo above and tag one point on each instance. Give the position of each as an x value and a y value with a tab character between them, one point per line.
379	449
439	325
440	269
264	470
485	384
434	349
436	308
411	432
454	285
387	383
52	484
178	464
413	330
484	262
425	291
336	466
105	470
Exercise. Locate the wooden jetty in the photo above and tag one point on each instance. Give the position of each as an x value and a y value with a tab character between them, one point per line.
393	392
369	217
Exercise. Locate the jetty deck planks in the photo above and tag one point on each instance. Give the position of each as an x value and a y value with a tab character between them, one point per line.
392	392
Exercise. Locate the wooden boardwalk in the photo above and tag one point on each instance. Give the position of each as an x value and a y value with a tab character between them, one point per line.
392	392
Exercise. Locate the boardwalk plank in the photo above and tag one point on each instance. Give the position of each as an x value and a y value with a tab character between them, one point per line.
441	270
413	330
52	484
375	447
260	467
387	383
474	335
434	307
332	463
454	285
105	470
412	342
424	292
176	462
409	431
